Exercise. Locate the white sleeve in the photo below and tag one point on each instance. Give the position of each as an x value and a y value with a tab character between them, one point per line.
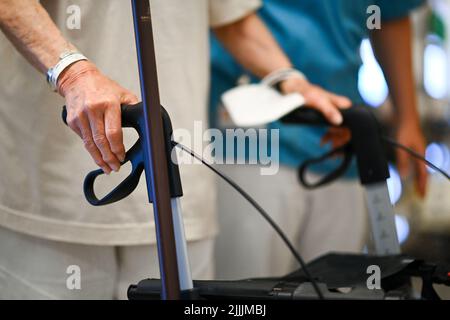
222	12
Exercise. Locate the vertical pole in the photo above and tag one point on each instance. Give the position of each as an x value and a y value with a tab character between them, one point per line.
156	171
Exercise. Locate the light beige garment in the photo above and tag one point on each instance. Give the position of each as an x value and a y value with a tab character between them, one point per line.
331	218
42	269
43	163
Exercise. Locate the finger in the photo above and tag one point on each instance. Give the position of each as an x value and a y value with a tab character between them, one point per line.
113	131
336	141
89	144
96	120
421	178
326	138
331	135
403	163
129	98
340	101
72	123
345	135
321	102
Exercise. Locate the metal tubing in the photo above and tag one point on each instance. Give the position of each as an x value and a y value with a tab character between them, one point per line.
156	171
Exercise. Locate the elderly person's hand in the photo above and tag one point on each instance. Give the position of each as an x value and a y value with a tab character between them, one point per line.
93	112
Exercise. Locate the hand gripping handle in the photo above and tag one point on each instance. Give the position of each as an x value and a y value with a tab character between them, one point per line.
132	118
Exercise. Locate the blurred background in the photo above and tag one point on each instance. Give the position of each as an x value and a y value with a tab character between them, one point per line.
423	226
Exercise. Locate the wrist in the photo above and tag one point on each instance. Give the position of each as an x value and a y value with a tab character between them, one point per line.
293	84
408	120
73	73
409	127
278	76
65	60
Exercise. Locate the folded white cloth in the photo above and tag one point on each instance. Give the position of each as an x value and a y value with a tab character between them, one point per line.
258	104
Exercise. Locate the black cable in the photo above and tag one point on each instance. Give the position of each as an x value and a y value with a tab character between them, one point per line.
264	214
273	224
416	155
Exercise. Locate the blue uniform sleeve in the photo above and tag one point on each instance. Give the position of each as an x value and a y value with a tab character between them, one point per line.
396	9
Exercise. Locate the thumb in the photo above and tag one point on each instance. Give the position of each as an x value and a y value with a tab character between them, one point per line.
421	178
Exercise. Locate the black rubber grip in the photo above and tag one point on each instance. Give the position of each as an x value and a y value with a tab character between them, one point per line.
305	115
132	118
365	142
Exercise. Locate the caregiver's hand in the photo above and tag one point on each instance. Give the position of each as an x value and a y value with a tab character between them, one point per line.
410	134
315	97
93	112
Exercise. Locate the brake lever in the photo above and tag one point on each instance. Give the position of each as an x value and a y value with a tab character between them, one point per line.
133	117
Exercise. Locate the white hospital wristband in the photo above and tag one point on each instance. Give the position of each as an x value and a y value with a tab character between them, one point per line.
66	59
280	75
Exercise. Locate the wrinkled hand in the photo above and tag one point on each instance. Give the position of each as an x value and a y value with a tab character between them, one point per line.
93	111
317	98
411	136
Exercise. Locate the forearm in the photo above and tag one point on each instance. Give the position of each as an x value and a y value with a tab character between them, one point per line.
393	47
29	27
92	100
253	46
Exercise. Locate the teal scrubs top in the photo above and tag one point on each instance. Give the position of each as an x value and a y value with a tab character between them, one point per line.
322	39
